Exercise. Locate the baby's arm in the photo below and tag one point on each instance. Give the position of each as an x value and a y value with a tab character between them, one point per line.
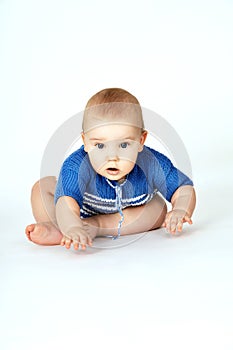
70	223
183	204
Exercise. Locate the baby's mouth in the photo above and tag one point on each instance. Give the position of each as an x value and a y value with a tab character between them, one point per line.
112	171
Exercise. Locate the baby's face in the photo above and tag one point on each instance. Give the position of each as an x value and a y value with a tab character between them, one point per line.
113	149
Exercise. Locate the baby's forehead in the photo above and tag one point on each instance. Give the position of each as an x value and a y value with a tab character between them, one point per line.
117	113
113	131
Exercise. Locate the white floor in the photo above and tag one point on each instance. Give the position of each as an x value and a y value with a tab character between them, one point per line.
159	292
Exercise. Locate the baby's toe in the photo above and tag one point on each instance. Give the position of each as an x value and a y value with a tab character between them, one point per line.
29	229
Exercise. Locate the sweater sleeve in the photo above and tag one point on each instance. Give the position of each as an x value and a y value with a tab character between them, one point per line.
71	178
165	176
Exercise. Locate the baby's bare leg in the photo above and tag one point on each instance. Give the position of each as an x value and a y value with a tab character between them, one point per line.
45	231
136	219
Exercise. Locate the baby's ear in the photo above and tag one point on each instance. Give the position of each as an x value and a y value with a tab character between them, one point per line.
142	140
84	141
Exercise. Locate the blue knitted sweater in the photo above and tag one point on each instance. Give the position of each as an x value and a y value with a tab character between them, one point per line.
152	173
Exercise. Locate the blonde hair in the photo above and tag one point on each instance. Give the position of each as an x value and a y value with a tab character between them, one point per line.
112	105
111	95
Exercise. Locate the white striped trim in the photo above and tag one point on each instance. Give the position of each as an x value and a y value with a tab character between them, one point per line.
145	200
106	200
86	195
102	207
86	210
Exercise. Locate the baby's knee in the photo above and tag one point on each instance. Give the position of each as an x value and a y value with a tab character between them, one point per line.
45	184
161	212
160	202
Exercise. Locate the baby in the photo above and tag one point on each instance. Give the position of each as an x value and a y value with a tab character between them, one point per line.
112	185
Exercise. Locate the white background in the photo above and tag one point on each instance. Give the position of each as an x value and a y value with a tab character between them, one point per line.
158	293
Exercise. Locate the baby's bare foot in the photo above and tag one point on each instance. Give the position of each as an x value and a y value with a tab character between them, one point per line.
43	233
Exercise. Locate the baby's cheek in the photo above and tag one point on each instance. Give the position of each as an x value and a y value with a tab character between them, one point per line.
128	155
97	159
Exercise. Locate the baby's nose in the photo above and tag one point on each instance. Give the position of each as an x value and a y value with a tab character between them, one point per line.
112	152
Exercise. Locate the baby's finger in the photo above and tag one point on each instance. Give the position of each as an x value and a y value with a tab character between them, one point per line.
76	244
68	243
168	224
173	224
166	221
63	241
188	219
83	241
89	241
180	225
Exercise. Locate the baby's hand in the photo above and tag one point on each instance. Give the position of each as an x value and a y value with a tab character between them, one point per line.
174	220
77	236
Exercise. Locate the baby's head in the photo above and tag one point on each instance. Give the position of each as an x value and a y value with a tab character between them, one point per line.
112	106
113	132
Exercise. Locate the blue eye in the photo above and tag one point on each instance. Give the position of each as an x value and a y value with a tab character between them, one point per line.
100	145
124	144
